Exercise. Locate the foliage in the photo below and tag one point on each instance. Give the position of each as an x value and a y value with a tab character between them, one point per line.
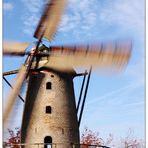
130	141
88	137
13	139
92	138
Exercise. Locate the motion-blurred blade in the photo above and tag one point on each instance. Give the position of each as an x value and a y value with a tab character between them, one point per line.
14	93
50	19
99	56
14	48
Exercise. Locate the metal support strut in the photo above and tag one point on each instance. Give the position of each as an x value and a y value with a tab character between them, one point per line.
12	88
80	97
84	99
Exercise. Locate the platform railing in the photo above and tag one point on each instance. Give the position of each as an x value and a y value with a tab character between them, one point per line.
52	145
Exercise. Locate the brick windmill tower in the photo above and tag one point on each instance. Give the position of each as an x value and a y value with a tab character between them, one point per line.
50	114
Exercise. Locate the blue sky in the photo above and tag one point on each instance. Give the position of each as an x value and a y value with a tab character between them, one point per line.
115	102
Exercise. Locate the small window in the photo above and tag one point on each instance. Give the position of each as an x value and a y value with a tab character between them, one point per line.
48	85
48	109
48	142
52	76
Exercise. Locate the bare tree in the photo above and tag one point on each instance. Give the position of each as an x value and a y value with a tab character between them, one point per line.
89	137
13	139
130	141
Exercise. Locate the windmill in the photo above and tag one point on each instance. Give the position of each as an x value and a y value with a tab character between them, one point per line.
50	112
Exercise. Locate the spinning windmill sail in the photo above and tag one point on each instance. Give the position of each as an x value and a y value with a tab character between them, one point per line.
65	58
14	48
50	19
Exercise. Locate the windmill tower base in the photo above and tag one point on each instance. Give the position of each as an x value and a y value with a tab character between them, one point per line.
50	110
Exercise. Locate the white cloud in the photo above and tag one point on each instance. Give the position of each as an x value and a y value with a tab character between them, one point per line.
81	16
128	14
8	6
87	15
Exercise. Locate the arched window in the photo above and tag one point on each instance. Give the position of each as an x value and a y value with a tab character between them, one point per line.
48	142
48	85
48	109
